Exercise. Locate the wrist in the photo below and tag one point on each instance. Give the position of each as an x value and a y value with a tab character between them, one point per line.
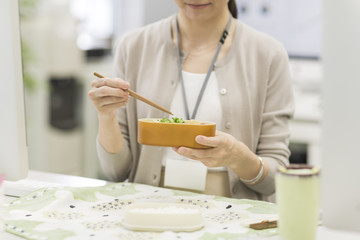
106	117
242	160
250	168
109	134
258	177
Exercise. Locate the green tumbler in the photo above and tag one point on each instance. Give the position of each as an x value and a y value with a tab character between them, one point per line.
297	196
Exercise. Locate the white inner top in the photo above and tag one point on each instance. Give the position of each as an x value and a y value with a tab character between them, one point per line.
209	107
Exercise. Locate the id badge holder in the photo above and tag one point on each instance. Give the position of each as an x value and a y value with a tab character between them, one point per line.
185	174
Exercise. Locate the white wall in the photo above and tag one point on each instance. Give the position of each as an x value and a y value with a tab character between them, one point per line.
341	129
51	38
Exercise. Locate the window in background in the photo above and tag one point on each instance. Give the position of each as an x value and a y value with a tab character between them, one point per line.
101	22
95	24
296	23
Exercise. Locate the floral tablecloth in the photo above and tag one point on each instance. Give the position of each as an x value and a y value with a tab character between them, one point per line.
97	213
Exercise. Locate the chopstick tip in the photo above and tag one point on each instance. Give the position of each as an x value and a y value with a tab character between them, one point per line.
98	75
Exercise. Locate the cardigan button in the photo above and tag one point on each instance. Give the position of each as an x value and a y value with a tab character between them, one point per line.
227	125
223	91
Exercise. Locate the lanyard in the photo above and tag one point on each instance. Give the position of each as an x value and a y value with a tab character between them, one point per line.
201	93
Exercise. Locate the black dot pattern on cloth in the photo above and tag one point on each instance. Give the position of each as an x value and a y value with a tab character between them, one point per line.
101	225
224	218
197	202
116	204
63	215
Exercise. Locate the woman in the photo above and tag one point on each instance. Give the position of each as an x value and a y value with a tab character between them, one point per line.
247	93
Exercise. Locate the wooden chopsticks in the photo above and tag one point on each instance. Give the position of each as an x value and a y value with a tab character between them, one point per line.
141	98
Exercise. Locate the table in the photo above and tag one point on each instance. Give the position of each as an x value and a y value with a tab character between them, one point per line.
82	213
96	213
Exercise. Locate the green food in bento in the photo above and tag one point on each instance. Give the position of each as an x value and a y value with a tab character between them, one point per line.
173	120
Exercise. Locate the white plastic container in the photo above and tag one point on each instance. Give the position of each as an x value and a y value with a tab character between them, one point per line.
163	217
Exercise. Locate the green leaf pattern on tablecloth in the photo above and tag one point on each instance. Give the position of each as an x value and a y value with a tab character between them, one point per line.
25	229
34	201
253	206
97	212
261	208
89	194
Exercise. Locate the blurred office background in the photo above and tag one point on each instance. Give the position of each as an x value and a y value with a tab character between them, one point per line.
65	41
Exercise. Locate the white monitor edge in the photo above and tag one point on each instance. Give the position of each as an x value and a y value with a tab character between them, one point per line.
13	143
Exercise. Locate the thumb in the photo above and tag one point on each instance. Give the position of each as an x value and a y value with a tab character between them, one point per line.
207	141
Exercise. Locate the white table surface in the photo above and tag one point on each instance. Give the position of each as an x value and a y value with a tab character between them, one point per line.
66	180
323	233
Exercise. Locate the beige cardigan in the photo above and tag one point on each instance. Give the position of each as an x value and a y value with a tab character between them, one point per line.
255	93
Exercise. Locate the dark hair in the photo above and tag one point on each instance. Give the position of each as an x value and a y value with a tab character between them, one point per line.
232	8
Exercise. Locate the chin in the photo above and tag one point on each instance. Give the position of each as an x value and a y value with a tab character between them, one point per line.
198	15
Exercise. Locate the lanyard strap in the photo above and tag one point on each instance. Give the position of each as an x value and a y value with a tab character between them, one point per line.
201	93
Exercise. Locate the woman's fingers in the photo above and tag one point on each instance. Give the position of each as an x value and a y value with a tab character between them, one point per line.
108	94
110	82
193	153
101	102
100	82
209	157
106	91
216	141
106	87
110	107
208	141
219	154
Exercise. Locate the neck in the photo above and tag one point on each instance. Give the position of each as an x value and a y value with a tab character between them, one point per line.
200	32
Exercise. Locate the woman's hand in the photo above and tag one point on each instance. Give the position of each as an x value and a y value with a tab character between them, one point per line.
108	95
222	152
225	151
